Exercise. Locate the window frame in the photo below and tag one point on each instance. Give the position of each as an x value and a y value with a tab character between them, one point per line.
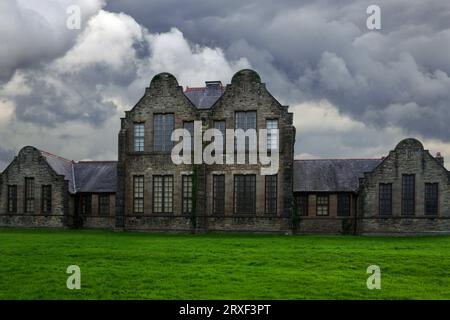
407	200
104	196
163	195
12	198
435	199
246	126
322	205
273	197
385	202
270	135
166	144
46	198
348	205
303	205
29	199
139	140
187	185
139	195
245	192
86	204
216	198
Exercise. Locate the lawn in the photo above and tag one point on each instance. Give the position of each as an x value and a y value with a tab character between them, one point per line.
127	265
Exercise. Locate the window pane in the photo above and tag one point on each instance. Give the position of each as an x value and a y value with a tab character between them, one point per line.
189	126
163	125
302	205
385	196
162	194
272	134
12	198
431	198
187	194
138	194
46	198
244	193
271	194
219	194
138	137
343	205
245	120
408	194
322	205
103	204
29	194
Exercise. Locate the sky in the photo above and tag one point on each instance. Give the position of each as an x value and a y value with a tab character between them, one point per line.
354	92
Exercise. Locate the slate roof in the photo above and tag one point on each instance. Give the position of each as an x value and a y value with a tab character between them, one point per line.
85	176
205	97
62	167
331	175
96	176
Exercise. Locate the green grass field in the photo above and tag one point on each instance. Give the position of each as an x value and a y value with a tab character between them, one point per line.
122	265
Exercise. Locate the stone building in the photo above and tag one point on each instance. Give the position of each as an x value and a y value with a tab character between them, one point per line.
39	189
407	192
156	194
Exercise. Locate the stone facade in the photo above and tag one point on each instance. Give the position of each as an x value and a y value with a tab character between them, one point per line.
30	163
408	158
408	192
245	93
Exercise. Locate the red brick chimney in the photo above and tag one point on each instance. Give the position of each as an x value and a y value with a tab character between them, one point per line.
440	158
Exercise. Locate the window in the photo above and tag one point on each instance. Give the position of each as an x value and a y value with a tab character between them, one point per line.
408	194
189	126
322	205
343	205
46	198
431	199
302	205
138	194
220	125
272	134
139	137
86	204
163	125
245	120
29	194
162	194
245	194
12	198
187	193
219	194
103	204
385	199
271	194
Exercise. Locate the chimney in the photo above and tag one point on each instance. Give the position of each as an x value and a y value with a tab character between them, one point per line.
440	158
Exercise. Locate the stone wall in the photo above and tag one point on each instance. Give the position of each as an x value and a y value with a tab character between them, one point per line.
409	157
30	163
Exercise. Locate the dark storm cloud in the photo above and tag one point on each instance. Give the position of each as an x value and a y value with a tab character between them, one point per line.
311	50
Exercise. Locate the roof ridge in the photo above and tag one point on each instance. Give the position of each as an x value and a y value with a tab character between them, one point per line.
54	156
96	161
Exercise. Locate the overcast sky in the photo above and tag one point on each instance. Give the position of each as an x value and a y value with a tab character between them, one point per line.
354	92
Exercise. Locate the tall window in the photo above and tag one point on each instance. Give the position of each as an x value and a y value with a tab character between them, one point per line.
162	194
245	120
189	126
103	204
86	204
139	137
138	194
272	134
245	194
431	199
322	205
12	198
220	125
29	194
343	205
271	194
219	194
46	197
302	205
408	194
385	199
187	193
163	125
